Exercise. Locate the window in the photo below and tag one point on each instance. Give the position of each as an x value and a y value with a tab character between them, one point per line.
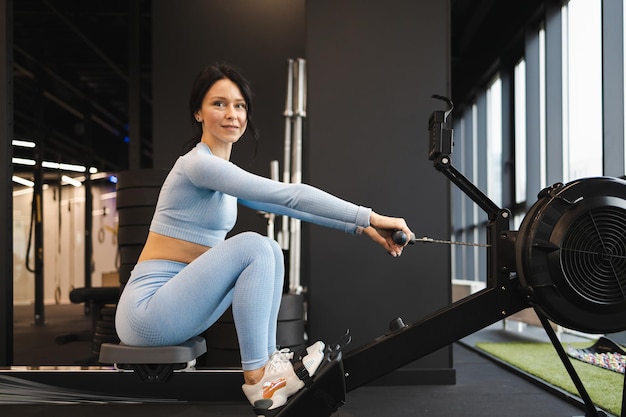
494	142
519	83
556	120
582	89
520	131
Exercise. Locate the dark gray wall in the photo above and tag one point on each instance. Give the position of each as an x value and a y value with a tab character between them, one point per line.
372	67
256	36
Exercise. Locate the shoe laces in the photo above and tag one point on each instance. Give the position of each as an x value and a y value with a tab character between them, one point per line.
279	361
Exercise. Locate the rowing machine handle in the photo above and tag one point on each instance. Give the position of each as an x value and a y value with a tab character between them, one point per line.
400	237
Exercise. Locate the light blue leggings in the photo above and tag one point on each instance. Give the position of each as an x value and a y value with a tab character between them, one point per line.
166	303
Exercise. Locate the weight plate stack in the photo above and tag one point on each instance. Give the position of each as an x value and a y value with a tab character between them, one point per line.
137	194
105	330
223	345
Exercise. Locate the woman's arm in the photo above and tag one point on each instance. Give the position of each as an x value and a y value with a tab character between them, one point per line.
309	203
295	200
347	227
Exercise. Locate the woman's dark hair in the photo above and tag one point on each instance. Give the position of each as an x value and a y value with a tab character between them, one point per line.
204	81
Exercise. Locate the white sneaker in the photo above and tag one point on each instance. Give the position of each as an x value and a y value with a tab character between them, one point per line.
314	357
278	383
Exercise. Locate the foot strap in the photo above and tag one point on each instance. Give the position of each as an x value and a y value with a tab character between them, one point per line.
302	373
321	399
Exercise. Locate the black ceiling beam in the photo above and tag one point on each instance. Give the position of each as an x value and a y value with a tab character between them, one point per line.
116	69
490	34
66	84
109	62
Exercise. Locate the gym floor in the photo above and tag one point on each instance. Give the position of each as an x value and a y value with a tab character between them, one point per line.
483	387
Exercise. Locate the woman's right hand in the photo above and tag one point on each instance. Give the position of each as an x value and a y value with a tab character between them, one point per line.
381	230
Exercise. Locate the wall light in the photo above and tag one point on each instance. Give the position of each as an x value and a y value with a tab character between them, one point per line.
70	181
23	143
63	167
23	181
23	161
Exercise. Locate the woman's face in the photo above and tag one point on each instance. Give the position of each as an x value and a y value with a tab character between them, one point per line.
223	114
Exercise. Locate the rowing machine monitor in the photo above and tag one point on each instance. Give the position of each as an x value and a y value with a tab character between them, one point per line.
441	133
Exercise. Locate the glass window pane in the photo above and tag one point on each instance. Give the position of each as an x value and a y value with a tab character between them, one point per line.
520	131
542	108
494	141
583	89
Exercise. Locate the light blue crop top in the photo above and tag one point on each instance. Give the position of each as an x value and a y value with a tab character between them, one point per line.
198	200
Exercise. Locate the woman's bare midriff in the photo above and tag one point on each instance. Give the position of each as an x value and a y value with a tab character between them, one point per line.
163	247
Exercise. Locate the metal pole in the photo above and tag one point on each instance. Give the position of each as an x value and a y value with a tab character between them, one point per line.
283	234
37	213
271	216
296	169
85	130
591	409
88	229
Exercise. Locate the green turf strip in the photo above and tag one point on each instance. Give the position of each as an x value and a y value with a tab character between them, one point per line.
605	387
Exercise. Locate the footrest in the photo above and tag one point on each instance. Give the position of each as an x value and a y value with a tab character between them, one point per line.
321	398
324	393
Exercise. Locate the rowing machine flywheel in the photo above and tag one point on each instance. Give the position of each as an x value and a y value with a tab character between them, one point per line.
571	254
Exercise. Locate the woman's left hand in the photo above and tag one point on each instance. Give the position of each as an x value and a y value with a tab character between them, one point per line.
382	227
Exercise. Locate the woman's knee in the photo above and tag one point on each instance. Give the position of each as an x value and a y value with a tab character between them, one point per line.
260	247
255	243
276	249
279	258
252	239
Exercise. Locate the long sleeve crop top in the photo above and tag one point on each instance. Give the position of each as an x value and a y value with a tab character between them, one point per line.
198	200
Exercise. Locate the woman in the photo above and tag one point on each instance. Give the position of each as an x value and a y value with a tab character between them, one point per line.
188	274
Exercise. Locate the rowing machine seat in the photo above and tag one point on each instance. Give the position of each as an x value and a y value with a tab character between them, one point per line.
153	363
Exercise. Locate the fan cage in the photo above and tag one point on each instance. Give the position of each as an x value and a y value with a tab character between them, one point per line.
593	255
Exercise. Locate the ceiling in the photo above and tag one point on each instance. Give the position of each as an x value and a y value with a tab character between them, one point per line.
484	31
71	78
72	82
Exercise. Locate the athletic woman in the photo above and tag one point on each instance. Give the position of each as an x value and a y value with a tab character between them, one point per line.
188	273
